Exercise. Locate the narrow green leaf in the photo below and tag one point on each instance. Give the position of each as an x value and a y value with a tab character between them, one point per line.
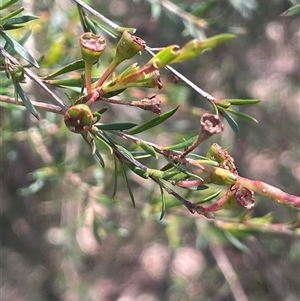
209	198
19	20
104	142
154	122
128	186
65	82
215	108
68	68
223	104
96	153
99	158
11	27
235	242
106	28
8	4
113	93
25	37
148	148
182	145
199	187
142	172
127	154
26	101
90	24
22	42
163	203
241	102
242	115
292	11
115	126
82	16
115	177
11	15
19	49
233	124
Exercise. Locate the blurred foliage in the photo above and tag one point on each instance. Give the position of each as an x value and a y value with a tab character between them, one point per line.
64	237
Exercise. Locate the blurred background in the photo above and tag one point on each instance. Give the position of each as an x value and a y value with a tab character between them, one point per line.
63	236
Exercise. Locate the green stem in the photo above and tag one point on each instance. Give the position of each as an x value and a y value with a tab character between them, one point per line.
88	78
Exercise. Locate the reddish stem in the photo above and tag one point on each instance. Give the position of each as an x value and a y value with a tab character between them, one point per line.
269	191
192	183
113	65
215	206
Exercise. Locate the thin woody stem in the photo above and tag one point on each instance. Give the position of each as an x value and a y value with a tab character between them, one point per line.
204	94
38	105
228	271
35	78
189	205
183	14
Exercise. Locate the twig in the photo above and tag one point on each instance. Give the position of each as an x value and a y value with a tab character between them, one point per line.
243	225
35	78
189	205
182	14
228	271
38	105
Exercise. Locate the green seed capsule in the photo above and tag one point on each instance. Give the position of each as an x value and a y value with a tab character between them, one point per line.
79	118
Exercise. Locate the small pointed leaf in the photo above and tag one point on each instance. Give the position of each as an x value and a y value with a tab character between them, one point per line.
292	11
154	122
8	4
128	186
26	101
182	145
115	126
163	203
148	148
19	49
233	124
115	177
79	64
19	20
242	115
241	102
96	152
209	198
235	242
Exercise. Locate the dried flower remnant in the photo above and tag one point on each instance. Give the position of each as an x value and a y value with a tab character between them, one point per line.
210	124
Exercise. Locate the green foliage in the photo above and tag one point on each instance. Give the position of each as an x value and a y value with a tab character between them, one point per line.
208	184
